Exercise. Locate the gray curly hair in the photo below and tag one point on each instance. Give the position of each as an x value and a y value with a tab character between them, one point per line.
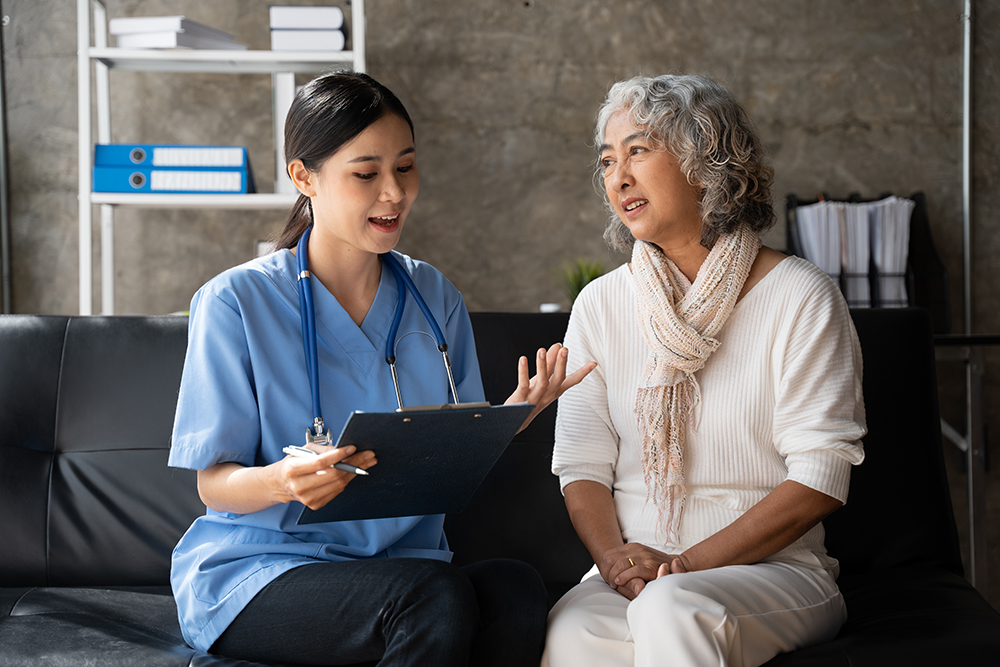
715	144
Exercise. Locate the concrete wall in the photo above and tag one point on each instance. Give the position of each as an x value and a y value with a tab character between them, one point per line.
850	96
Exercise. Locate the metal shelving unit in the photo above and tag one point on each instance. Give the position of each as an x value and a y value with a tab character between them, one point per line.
219	62
104	58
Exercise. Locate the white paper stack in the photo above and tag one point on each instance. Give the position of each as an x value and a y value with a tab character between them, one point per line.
856	254
843	239
169	32
890	230
818	227
304	28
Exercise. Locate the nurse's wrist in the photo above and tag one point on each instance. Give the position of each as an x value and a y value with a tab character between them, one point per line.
276	483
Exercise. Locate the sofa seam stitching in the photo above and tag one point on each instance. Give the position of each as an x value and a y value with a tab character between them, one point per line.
55	453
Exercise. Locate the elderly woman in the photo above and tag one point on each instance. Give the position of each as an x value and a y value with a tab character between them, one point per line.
724	416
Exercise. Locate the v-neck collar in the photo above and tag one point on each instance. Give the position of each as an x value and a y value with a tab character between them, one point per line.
364	344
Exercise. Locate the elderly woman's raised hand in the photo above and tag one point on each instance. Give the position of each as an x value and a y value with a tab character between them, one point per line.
550	379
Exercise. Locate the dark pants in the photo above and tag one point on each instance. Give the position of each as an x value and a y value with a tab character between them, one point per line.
398	611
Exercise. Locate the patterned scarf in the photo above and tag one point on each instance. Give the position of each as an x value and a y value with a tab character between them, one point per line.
679	320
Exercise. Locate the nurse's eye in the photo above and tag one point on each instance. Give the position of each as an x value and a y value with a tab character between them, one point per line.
366	177
405	169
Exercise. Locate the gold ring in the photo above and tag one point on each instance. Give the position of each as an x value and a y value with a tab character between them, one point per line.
631	562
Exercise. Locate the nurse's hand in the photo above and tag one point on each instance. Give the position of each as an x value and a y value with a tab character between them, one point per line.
232	487
550	379
314	481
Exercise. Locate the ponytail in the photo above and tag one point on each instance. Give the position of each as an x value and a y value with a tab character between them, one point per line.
299	220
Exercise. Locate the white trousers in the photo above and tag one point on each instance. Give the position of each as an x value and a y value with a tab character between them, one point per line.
734	616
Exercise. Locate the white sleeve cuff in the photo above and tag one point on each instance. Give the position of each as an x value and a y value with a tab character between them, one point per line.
825	470
603	474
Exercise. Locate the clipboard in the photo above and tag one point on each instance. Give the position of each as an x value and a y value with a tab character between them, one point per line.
429	461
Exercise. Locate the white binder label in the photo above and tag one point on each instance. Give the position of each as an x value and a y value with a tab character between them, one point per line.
195	181
222	156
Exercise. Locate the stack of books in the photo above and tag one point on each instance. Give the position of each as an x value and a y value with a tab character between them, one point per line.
302	28
168	32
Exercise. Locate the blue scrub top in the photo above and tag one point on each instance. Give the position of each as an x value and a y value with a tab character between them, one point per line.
245	395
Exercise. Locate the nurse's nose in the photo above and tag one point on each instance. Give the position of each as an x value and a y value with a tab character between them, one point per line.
392	189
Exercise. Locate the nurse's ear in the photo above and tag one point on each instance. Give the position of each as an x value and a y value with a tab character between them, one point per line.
302	178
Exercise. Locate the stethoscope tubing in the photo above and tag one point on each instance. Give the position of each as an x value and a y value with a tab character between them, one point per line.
403	277
307	312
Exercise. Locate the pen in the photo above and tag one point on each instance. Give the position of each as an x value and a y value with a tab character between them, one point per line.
304	452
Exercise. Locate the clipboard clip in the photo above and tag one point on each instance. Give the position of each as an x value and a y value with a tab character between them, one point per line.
445	406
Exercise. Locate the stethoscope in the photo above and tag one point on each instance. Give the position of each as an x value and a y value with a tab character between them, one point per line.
319	434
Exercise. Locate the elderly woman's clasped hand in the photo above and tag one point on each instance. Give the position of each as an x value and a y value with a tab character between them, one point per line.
627	568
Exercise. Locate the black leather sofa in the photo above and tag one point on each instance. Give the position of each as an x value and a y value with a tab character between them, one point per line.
89	511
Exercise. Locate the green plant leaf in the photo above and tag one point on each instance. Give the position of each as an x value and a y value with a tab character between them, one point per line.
576	276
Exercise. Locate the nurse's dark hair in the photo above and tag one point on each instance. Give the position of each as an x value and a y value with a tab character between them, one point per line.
326	114
716	144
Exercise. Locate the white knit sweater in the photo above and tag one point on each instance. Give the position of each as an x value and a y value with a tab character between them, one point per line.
780	399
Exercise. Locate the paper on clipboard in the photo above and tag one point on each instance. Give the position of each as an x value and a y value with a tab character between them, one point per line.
429	461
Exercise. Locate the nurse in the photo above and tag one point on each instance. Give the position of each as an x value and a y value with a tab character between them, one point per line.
249	582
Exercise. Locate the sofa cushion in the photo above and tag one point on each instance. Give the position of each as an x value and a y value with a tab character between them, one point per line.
88	431
109	627
907	616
